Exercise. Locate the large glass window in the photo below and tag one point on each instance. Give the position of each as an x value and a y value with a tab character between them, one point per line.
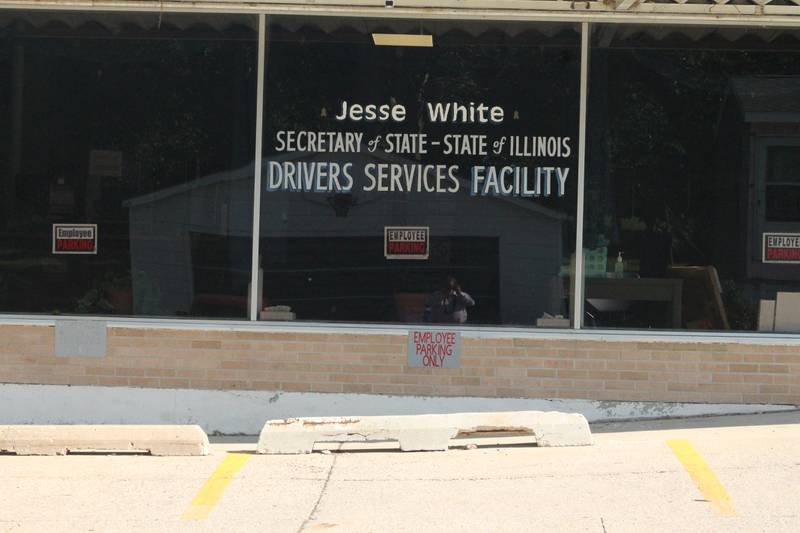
413	171
692	214
419	171
126	163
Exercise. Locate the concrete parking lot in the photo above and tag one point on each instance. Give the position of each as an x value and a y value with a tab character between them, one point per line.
736	473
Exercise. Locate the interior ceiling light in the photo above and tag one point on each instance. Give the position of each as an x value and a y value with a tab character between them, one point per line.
402	39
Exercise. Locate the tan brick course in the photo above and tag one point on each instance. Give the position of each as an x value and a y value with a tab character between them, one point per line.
376	364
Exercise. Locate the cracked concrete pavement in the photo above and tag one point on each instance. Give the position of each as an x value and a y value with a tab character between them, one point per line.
629	480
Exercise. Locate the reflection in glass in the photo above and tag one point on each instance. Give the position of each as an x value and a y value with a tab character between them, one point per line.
694	140
143	125
415	137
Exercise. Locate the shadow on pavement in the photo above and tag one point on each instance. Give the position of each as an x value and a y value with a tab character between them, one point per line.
764	419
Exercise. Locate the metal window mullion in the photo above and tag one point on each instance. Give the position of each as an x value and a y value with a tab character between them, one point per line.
254	285
578	284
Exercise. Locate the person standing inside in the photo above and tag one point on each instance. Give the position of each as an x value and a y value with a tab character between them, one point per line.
449	304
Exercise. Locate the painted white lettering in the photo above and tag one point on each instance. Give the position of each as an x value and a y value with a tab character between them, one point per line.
368	172
371	112
561	176
473	113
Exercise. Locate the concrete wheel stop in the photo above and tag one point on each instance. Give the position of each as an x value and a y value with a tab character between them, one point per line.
422	432
62	439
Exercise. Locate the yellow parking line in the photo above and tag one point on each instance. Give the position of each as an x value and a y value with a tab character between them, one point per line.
212	490
704	478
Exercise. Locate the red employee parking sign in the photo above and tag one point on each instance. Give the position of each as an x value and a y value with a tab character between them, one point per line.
74	238
434	348
781	248
406	242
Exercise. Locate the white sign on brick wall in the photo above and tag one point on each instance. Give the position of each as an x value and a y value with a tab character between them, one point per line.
431	348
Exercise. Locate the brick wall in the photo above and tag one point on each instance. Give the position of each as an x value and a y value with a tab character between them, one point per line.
376	363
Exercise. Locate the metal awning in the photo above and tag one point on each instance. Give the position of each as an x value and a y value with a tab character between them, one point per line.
751	12
119	21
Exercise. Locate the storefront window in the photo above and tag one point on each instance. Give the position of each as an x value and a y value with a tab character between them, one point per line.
126	163
405	160
692	214
412	171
